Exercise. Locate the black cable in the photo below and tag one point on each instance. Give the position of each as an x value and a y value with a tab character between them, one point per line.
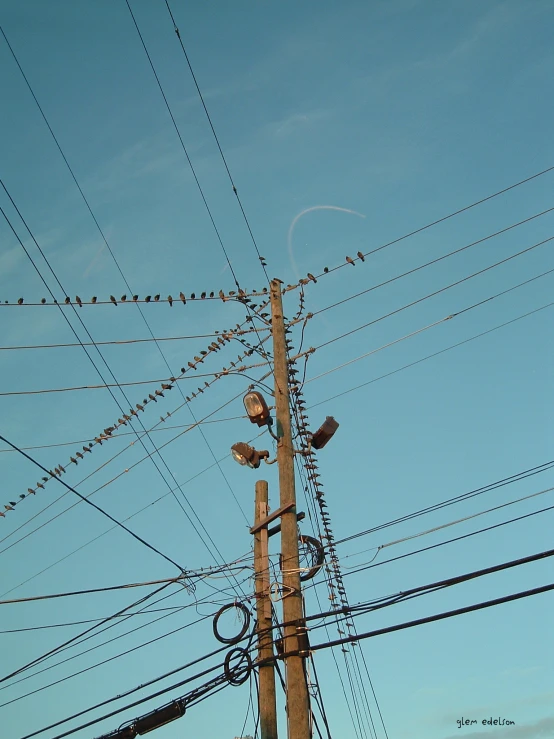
128	287
435	617
74	638
434	261
101	510
176	29
523	475
450	215
454	284
141	440
431	356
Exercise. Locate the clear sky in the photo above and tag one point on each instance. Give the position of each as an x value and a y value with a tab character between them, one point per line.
400	111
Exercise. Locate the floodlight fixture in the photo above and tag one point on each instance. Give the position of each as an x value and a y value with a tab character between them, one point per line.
246	455
324	433
256	408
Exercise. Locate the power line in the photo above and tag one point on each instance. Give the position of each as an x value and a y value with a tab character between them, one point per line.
517	477
431	325
176	29
431	356
435	261
70	641
165	427
96	507
89	591
446	218
123	342
454	284
143	317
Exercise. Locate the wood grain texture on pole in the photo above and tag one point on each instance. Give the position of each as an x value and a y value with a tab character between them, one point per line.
297	689
267	701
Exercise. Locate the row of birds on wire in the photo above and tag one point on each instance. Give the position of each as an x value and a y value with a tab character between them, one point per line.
240	294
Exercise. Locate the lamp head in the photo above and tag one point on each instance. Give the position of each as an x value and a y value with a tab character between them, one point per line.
256	408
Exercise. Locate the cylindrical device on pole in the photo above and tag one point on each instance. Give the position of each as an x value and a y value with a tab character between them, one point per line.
298	705
267	698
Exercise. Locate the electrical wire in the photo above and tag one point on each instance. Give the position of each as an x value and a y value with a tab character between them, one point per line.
431	356
128	287
435	261
454	284
447	217
98	508
178	34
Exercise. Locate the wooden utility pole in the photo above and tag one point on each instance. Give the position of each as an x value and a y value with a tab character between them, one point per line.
267	700
298	706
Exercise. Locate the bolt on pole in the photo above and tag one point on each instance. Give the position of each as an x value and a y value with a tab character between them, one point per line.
267	701
298	706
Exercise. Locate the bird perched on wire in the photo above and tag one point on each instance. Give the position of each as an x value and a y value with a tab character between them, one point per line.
350	261
67	301
148	298
183	299
192	296
157	297
152	397
93	299
170	301
79	301
135	298
114	301
20	301
203	295
43	300
361	256
123	298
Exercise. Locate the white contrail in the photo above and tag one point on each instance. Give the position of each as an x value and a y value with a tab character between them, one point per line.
303	213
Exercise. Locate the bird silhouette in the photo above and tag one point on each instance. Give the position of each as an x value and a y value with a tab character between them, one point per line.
78	454
20	301
73	460
212	294
40	485
222	295
93	299
350	261
139	407
192	296
157	297
147	299
114	301
165	386
361	256
135	298
198	359
182	296
30	490
123	298
153	397
191	365
43	300
170	301
312	278
45	479
79	301
159	393
67	301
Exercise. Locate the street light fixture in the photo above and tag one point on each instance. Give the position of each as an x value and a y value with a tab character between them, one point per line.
324	433
256	408
246	455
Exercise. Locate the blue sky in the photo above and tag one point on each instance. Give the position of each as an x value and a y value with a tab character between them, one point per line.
401	111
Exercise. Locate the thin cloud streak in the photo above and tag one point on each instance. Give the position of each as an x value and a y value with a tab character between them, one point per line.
303	213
